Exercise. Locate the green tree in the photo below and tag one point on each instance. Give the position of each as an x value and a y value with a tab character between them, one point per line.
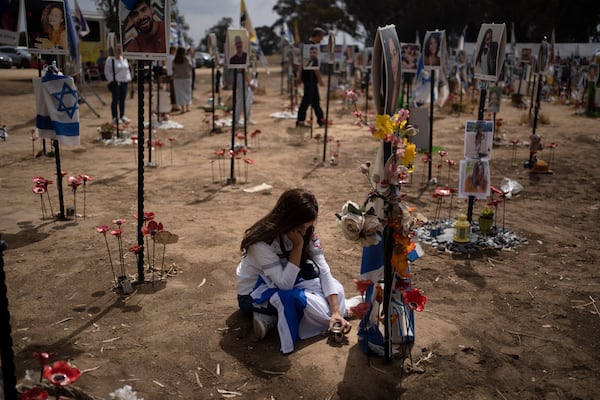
269	39
308	14
220	31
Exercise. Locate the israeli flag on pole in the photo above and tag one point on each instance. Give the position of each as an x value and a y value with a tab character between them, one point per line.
57	108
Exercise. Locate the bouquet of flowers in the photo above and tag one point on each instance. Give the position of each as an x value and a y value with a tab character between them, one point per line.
384	224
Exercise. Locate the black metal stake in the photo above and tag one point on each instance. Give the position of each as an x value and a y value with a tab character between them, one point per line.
431	101
329	68
231	179
140	194
59	180
9	375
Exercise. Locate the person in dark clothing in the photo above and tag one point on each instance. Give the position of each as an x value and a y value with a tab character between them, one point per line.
311	79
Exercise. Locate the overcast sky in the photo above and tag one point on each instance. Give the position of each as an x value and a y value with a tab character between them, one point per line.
203	14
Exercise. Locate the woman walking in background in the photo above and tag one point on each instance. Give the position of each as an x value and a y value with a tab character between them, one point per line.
182	80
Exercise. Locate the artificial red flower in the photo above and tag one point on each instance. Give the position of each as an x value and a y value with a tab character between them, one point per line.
38	189
442	153
362	285
35	393
116	232
61	373
119	221
360	309
219	153
102	228
451	163
172	139
248	161
43	357
74	182
85	178
514	141
148	216
152	228
136	249
414	299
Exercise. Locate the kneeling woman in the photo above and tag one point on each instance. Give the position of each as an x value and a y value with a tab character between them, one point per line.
283	277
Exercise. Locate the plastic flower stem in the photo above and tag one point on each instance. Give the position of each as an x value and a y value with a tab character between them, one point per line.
74	202
112	267
154	256
171	148
43	206
84	199
162	265
246	173
212	170
122	261
50	204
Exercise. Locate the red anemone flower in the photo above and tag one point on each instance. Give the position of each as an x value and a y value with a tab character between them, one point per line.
414	299
362	285
74	181
442	153
61	373
38	189
43	357
35	393
39	180
102	228
136	249
116	232
148	216
152	228
249	161
119	221
219	153
172	139
85	178
360	309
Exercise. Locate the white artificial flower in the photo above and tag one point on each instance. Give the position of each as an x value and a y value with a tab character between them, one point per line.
352	225
346	207
372	225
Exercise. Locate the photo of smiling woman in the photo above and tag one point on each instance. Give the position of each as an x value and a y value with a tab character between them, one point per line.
143	28
46	27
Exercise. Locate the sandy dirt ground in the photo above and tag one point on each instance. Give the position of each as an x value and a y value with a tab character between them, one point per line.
520	323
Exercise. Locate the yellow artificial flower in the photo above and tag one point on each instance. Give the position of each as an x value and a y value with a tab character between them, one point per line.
410	153
383	126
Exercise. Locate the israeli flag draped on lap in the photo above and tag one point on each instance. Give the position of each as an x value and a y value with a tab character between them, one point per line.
57	108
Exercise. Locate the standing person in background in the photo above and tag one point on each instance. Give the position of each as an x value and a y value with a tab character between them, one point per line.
182	80
116	70
311	79
190	55
169	68
100	61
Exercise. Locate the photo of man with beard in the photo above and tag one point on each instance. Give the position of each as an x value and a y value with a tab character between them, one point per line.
150	30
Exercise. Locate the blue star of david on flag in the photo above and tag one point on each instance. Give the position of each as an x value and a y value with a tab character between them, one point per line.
60	96
57	108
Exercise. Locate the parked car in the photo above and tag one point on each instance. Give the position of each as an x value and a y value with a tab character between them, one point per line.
5	60
20	56
203	59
